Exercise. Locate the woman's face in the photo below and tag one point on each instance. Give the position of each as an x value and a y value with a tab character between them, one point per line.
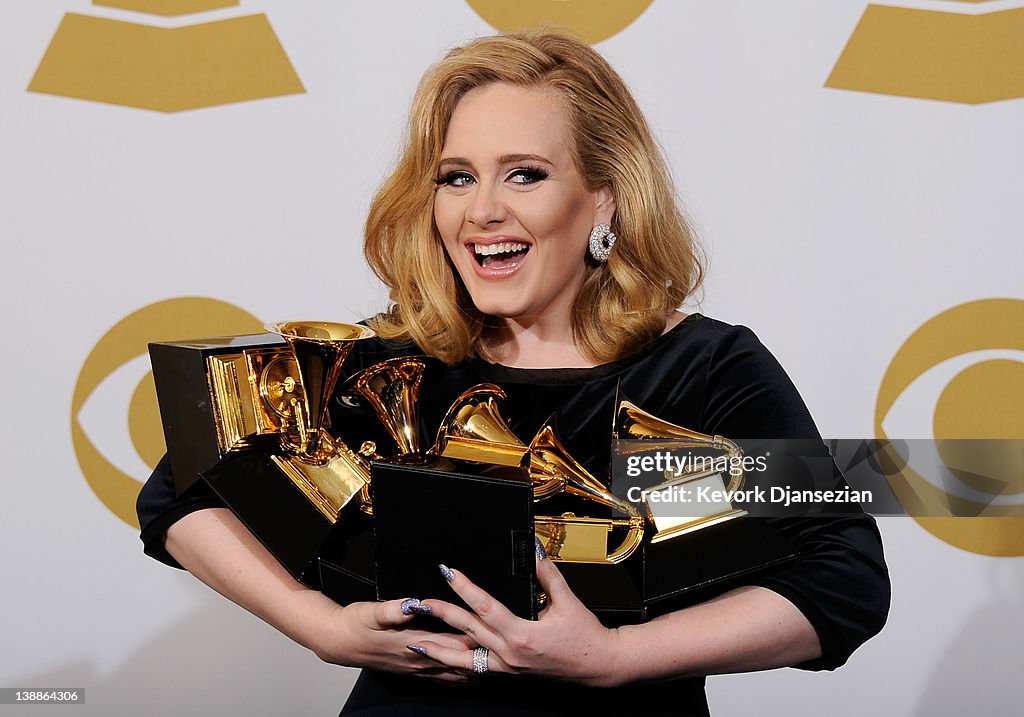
511	207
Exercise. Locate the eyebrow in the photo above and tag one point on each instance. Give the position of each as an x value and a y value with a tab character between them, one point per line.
503	159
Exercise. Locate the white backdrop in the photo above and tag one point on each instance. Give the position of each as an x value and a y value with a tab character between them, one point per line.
837	222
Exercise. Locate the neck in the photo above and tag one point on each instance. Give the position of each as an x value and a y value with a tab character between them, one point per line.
541	343
550	344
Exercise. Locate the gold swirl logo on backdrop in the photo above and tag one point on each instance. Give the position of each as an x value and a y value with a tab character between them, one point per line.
170	320
969	58
980	398
592	20
168	69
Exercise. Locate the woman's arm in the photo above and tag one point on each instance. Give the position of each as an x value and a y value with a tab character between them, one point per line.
214	546
751	628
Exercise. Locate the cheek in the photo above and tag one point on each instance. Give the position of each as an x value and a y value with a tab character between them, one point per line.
438	212
443	220
566	217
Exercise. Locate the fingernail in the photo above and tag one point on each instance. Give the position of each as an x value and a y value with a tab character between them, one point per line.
417	649
412	606
446	572
541	553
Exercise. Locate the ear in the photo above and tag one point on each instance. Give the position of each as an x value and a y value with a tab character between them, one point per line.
604	205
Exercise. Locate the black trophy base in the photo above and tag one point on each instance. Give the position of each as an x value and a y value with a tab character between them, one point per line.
347	569
275	510
679	572
187	405
478	523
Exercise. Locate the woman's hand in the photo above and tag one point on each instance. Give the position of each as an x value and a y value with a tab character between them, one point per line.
566	643
377	635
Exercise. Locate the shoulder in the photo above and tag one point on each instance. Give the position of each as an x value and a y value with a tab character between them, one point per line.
721	351
743	390
715	336
699	338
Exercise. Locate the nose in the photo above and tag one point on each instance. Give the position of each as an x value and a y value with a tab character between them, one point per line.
486	206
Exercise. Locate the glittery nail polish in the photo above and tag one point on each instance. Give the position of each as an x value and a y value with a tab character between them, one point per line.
412	606
417	649
541	552
446	572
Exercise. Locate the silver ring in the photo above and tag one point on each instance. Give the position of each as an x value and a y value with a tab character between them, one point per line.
480	660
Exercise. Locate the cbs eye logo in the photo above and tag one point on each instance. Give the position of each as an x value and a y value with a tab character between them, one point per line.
962	371
592	21
115	391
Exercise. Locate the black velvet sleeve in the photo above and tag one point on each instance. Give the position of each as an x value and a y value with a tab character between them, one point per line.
840	581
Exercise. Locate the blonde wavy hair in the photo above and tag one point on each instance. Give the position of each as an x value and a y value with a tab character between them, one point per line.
623	304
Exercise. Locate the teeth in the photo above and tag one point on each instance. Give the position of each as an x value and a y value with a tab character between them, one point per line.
504	247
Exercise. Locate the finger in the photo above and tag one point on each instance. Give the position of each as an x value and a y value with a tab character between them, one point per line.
431	669
392	613
551	580
491	611
448	639
445	676
458	659
458	642
464	641
465	622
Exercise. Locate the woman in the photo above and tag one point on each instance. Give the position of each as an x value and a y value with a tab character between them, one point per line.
530	237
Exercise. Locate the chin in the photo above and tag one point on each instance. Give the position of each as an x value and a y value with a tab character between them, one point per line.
497	309
493	303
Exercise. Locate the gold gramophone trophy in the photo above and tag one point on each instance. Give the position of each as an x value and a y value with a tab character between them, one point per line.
703	550
475	431
248	414
431	508
328	472
644	573
391	390
650	433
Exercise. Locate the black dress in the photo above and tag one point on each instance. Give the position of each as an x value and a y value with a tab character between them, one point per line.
702	374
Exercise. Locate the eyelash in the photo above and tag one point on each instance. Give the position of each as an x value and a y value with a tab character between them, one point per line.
530	175
450	178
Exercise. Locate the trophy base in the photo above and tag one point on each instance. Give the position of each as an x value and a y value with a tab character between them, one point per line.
475	518
347	568
329	482
679	572
260	489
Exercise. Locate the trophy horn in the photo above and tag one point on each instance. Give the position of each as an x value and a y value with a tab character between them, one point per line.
319	348
632	422
474	430
579	539
392	389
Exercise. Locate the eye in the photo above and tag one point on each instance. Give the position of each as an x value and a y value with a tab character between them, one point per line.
455	179
527	175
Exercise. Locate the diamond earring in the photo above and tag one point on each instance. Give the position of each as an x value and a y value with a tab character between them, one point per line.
601	242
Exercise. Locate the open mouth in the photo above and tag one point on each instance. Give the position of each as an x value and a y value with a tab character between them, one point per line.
503	255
